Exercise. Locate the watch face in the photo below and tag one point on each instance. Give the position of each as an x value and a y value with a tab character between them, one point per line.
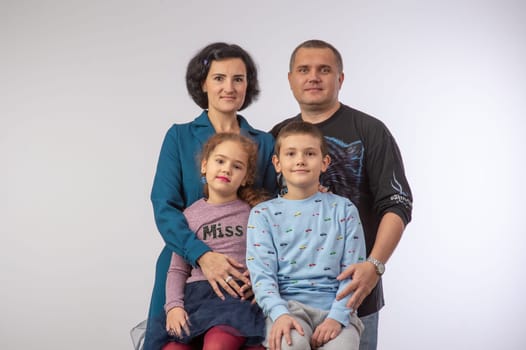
380	268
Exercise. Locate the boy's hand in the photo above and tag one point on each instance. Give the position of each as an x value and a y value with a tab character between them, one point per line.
177	322
325	332
282	327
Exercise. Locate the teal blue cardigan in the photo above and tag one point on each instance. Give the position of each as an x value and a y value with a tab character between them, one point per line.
177	184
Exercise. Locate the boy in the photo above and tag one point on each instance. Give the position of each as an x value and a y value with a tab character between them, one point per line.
297	245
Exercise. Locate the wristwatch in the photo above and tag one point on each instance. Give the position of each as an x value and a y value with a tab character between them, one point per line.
378	265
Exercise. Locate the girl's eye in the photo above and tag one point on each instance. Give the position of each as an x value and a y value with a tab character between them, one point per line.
219	161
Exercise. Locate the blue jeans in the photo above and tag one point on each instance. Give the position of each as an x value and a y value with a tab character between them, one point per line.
369	338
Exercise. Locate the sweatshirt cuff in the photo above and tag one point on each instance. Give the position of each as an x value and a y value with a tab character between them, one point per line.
277	311
341	316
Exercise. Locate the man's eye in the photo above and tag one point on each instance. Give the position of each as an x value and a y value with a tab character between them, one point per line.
326	70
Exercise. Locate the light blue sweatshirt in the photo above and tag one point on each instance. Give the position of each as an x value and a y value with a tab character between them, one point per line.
296	248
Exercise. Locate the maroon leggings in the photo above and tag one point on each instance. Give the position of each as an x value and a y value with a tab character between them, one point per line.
216	338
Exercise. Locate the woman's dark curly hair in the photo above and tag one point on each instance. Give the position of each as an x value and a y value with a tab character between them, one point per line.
199	66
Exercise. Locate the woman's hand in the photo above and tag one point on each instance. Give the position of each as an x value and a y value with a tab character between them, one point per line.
222	270
177	322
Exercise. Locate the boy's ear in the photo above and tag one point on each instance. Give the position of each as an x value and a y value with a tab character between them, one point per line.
275	162
325	161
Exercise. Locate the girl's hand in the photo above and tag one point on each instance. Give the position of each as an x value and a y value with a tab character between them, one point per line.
246	289
222	270
177	322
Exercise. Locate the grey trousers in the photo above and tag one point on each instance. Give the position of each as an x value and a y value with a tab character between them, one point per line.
309	318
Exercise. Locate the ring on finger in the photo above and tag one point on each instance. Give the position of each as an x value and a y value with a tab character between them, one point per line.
228	279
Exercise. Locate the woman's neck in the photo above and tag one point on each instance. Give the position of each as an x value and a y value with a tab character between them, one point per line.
224	122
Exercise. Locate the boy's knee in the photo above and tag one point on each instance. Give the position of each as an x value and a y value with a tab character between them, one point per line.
299	342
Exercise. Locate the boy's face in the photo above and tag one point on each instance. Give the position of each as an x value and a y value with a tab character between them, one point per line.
301	163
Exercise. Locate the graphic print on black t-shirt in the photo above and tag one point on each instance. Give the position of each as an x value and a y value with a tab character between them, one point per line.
345	172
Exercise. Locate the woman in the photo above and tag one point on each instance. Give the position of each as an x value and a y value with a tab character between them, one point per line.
222	79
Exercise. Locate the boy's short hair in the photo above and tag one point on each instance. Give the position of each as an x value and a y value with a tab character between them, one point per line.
304	128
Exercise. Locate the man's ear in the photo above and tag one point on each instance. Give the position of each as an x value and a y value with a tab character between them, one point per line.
325	161
276	163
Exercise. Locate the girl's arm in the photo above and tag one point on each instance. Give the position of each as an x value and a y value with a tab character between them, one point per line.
176	316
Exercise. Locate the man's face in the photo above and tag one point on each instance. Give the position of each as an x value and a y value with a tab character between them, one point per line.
315	79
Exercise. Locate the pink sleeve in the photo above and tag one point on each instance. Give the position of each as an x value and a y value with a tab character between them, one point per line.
178	273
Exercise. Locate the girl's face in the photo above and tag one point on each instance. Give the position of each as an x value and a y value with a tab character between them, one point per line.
226	86
225	170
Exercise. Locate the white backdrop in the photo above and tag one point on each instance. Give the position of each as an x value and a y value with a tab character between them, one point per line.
88	89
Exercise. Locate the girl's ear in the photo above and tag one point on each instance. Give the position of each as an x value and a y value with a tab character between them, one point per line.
203	167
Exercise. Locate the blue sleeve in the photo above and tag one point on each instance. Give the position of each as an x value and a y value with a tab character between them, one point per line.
263	265
267	171
354	252
170	198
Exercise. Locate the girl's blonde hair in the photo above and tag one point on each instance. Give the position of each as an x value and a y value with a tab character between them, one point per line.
246	192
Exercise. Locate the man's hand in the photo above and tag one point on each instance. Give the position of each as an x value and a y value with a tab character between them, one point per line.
177	322
364	279
325	332
222	270
280	328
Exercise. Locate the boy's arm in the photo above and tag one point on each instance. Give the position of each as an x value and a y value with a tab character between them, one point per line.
353	252
263	265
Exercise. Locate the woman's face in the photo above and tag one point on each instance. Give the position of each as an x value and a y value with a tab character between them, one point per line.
226	86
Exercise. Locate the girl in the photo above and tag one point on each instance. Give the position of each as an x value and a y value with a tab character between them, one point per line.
196	317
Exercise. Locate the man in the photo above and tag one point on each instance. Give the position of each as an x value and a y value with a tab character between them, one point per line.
366	166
